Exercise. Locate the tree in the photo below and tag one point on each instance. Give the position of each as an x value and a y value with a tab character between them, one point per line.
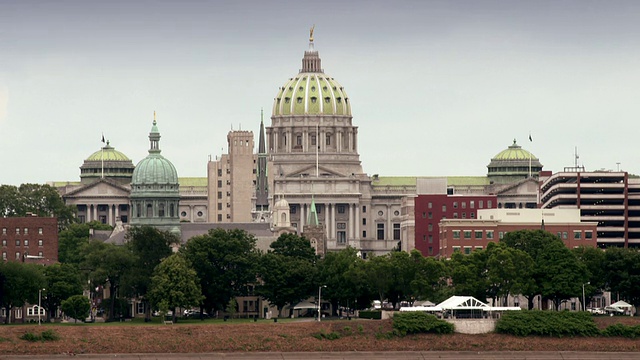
593	259
76	307
508	270
110	264
293	245
378	273
403	270
532	242
563	273
41	200
21	284
622	274
430	281
225	262
343	273
469	275
73	240
62	282
149	247
285	279
174	284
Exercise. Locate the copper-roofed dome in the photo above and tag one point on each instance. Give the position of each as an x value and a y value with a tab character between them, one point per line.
513	163
107	163
311	91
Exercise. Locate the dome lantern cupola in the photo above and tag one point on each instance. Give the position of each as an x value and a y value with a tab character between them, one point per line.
107	163
512	164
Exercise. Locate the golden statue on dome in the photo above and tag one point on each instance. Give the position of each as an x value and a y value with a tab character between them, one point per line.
311	33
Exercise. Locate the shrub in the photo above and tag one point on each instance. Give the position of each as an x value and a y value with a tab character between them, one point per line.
420	322
370	314
30	337
547	323
47	335
329	336
621	330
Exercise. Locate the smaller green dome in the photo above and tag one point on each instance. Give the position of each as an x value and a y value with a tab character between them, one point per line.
514	152
108	153
154	169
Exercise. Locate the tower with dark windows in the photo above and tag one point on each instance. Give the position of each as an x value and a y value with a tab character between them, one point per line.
155	192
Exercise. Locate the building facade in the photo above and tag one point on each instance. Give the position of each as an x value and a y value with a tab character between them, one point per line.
610	199
492	224
29	239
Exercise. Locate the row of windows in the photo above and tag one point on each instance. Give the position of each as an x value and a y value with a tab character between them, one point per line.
463	204
25	231
577	235
18	255
467	249
478	234
25	241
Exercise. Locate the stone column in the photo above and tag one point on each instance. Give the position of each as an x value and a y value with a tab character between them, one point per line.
117	210
326	219
109	216
351	225
301	223
190	213
95	212
389	229
357	221
332	234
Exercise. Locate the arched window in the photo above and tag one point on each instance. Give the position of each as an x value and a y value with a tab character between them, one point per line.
137	205
161	210
149	210
284	218
171	210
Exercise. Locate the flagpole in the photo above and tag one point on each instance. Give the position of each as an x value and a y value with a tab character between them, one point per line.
530	140
102	158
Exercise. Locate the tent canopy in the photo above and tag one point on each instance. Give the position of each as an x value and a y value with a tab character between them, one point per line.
621	304
305	305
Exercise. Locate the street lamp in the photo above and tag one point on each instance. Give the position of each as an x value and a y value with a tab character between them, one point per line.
320	301
584	303
39	303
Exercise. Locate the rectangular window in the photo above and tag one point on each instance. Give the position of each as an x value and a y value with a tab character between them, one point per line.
140	308
455	215
424	237
219	172
219	217
40	242
489	204
478	234
396	231
219	183
444	208
17	242
4	255
39	231
430	205
467	250
456	234
4	231
364	221
380	228
292	209
464	215
40	254
430	227
17	255
456	249
424	215
464	204
489	234
577	235
455	204
313	139
559	235
219	194
430	239
219	206
472	215
472	204
17	231
26	231
364	234
478	248
364	208
4	242
480	204
341	209
26	242
565	235
500	235
467	234
588	235
430	250
430	215
342	237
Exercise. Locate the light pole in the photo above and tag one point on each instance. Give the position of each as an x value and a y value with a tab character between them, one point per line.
584	303
39	303
320	301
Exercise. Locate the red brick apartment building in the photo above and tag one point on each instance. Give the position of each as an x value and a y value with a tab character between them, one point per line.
491	226
432	208
29	239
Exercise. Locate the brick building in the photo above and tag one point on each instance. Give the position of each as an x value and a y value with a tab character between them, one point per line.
491	226
29	239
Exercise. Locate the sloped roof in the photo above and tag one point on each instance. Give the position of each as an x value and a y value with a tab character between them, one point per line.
462	303
621	304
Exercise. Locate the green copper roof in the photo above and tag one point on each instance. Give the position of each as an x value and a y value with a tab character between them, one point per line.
514	152
312	94
193	181
108	153
154	169
467	180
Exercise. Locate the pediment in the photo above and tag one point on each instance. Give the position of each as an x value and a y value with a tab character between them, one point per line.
100	188
523	187
310	170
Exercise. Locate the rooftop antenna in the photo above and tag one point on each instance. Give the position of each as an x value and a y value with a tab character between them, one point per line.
577	157
618	163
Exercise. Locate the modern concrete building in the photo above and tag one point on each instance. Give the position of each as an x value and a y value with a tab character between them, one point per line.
609	198
492	224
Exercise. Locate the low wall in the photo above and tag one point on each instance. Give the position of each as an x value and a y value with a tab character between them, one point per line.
473	326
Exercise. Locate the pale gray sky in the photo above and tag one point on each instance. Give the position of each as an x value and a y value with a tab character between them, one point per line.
437	87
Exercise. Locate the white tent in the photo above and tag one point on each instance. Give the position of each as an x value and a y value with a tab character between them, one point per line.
456	303
621	304
305	305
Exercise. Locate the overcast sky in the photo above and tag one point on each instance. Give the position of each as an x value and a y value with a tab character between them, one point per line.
437	87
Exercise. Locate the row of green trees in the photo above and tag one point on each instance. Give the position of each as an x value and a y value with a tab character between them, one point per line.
211	270
41	200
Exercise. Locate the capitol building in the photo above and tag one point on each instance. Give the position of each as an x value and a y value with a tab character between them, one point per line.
304	176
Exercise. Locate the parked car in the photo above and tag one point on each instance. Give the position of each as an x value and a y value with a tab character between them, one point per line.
596	311
157	313
195	314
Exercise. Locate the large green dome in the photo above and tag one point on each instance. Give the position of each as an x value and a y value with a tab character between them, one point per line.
107	163
311	91
513	164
